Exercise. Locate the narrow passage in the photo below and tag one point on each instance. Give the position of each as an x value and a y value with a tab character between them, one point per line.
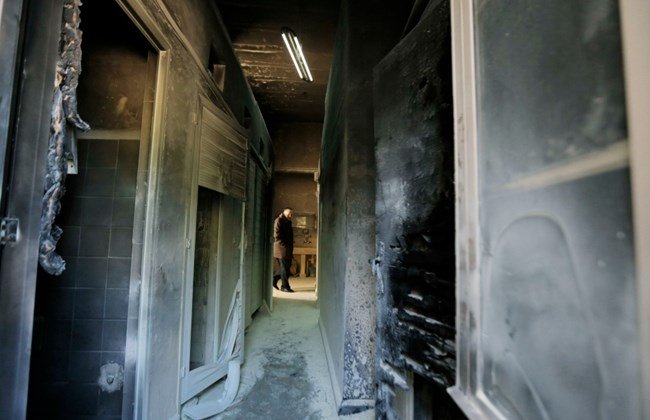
285	375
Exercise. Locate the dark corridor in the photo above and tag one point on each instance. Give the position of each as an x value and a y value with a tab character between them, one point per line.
469	214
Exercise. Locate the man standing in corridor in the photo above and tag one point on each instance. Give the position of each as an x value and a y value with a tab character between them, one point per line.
283	248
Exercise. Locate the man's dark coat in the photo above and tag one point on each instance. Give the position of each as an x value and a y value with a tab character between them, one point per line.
283	235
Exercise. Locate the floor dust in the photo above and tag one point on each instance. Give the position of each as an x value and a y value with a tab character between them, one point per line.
285	375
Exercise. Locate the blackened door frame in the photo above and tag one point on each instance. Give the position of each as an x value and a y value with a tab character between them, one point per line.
137	364
635	15
32	86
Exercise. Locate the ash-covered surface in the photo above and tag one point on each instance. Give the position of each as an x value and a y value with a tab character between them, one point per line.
367	31
285	375
283	390
415	212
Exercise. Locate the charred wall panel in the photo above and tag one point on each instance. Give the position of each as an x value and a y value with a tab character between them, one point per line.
297	146
187	80
367	31
415	214
331	298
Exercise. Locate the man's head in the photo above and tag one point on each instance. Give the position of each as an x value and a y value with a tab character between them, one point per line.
288	213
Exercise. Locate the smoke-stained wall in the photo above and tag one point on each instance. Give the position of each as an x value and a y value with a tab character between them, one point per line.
297	191
80	318
114	69
297	146
415	218
367	30
97	302
186	81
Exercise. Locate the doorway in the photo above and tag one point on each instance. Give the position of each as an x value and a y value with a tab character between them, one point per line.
81	364
297	154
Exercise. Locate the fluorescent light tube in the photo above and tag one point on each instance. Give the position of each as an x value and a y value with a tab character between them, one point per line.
297	54
293	58
303	59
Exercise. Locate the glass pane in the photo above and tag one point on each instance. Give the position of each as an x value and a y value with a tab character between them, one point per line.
558	320
550	83
203	342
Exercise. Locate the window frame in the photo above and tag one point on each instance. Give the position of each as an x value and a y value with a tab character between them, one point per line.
635	31
635	14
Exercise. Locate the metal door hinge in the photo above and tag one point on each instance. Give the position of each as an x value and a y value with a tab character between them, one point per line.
8	230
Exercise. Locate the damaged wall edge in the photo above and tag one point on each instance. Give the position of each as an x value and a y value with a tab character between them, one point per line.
347	196
18	262
151	19
415	241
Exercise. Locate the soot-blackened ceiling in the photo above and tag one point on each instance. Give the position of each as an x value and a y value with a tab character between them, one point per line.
254	27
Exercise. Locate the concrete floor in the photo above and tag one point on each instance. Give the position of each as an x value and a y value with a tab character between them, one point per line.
285	375
300	284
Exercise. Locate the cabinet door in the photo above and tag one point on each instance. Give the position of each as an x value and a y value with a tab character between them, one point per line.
547	314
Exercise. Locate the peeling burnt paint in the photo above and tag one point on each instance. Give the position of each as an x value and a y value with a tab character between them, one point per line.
415	211
65	118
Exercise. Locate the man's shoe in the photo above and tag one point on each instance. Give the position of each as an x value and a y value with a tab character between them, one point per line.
275	285
287	289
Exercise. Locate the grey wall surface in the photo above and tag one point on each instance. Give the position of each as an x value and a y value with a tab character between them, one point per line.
558	290
24	193
112	83
297	191
367	31
297	150
297	146
186	80
415	216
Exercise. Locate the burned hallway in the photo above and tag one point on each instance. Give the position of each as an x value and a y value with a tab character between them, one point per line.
454	194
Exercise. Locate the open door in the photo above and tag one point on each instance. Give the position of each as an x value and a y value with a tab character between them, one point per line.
547	310
214	299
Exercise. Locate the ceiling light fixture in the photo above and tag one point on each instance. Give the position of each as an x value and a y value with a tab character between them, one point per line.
297	56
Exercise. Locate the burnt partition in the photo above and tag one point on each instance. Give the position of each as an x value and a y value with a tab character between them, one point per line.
79	363
367	31
415	223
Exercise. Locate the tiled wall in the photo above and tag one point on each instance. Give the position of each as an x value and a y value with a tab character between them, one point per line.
80	317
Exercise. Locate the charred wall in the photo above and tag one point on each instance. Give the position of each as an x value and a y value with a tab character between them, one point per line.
297	146
415	217
78	304
80	322
297	150
114	70
297	191
367	31
188	79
